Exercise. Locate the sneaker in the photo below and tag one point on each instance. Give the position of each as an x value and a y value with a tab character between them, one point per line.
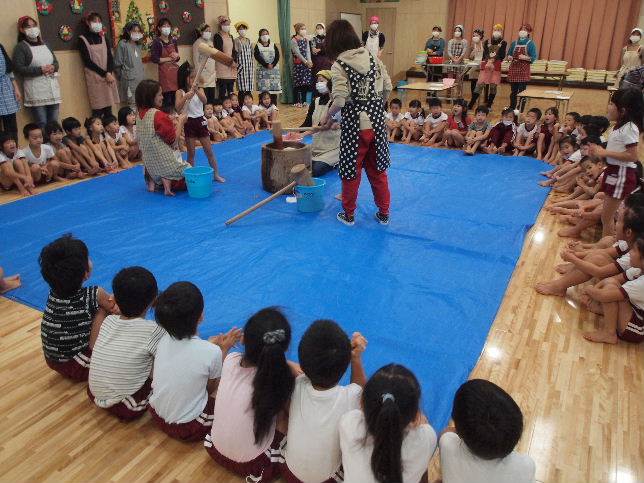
348	220
382	219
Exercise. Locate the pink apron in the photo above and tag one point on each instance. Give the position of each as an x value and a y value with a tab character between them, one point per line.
100	93
519	70
168	70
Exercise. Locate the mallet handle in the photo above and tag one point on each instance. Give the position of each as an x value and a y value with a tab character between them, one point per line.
300	129
261	203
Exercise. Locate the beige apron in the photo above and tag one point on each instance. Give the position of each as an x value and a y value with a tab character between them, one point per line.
326	144
224	71
100	93
630	60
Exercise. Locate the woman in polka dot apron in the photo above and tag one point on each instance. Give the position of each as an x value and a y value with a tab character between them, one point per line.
360	87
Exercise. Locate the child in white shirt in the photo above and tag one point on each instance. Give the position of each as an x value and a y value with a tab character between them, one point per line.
127	123
70	167
525	142
318	402
435	124
268	111
41	158
369	446
186	368
251	112
480	449
114	137
395	120
216	130
14	170
227	122
413	122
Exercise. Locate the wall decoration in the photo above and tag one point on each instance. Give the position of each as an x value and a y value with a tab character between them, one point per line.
186	17
176	33
116	10
65	33
44	7
199	3
76	6
163	6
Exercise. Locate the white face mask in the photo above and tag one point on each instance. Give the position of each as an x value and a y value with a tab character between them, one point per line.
374	26
508	123
457	34
32	32
320	32
206	35
436	33
242	32
225	28
321	87
265	38
634	38
96	27
136	36
302	33
496	34
166	31
476	39
523	34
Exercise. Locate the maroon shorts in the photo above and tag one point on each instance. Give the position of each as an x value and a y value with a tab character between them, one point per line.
619	181
289	477
132	407
195	430
267	465
634	331
76	368
196	127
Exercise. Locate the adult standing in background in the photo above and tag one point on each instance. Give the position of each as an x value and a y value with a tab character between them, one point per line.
208	80
10	97
267	56
246	66
456	50
521	54
165	53
318	52
373	39
494	51
38	67
302	64
96	54
632	55
435	47
128	61
226	74
476	55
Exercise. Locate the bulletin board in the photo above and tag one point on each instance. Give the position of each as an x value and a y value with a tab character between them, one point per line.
61	14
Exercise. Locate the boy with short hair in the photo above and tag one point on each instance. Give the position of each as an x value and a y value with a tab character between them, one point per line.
502	134
186	368
216	130
525	142
480	449
43	164
73	314
54	134
75	141
225	119
119	376
114	137
394	120
478	131
435	123
14	170
317	404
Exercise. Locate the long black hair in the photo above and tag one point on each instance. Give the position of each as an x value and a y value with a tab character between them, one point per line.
390	400
126	34
183	74
630	107
267	335
340	37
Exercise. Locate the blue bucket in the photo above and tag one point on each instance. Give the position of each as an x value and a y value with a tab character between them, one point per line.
199	181
311	198
309	97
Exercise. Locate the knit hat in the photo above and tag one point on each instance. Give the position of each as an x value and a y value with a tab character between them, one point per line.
325	73
298	26
374	19
497	26
222	19
240	25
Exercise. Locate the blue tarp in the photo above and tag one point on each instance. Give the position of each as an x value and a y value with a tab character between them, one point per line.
424	290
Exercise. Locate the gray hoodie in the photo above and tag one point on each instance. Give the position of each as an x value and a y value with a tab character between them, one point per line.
358	59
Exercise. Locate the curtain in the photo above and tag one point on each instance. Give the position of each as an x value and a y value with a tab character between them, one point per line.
284	23
586	33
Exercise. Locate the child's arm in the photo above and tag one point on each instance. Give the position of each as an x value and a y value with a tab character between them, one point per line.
227	341
201	95
439	128
358	346
630	155
588	267
609	293
107	302
483	136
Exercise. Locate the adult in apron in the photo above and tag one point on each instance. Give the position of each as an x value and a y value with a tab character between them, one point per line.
208	80
165	52
522	53
267	56
128	61
632	55
302	64
476	56
9	95
494	51
318	54
373	39
102	89
226	75
245	62
38	67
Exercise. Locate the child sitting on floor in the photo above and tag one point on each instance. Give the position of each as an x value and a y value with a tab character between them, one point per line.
268	109
568	128
235	111
389	439
549	129
566	178
103	152
251	403
413	122
76	142
457	125
478	131
9	282
54	135
569	155
394	120
73	314
434	124
502	134
227	122
488	425
216	130
13	167
251	113
186	368
525	142
127	123
123	355
114	138
43	164
318	402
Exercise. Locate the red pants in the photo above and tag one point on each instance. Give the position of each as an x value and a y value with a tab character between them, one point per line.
132	407
378	179
76	368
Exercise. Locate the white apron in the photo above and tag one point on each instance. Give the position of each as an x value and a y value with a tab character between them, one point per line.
42	90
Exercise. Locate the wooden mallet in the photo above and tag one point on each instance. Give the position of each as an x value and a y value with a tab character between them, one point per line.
215	54
302	178
278	140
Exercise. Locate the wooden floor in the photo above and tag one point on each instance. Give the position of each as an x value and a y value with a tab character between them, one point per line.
583	403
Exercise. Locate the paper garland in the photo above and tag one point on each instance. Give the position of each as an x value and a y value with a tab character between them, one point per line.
65	33
44	7
76	6
186	17
163	6
176	33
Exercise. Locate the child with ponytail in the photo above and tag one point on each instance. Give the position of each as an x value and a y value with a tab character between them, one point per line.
389	440
252	399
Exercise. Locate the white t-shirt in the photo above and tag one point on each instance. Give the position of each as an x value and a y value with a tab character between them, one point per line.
420	120
575	157
418	446
313	441
124	130
195	107
459	465
232	429
254	109
398	118
434	121
223	114
182	369
17	155
122	358
619	140
529	136
270	109
46	153
118	136
634	288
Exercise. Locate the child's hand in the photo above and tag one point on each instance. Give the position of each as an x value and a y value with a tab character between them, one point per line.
227	340
420	419
358	344
597	151
568	256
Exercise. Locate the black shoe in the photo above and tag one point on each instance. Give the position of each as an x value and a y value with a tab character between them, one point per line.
475	97
382	219
348	220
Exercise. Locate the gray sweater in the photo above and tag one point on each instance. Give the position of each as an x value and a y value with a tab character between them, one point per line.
22	58
295	49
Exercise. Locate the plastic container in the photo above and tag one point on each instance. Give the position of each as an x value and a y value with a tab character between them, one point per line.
402	83
199	181
436	60
311	198
421	57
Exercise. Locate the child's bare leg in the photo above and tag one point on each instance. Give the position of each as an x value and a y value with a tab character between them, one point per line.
9	177
608	215
167	187
572	277
457	139
54	170
212	160
575	231
8	282
36	173
616	315
190	147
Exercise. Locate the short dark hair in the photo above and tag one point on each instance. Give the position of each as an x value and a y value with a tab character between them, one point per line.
506	111
178	309
263	95
484	109
145	93
395	101
536	111
183	74
575	115
634	218
415	103
553	110
591	140
32	126
70	123
88	123
487	419
109	119
63	264
639	244
248	95
51	127
340	37
324	353
434	102
6	136
568	140
135	289
123	113
162	21
217	102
